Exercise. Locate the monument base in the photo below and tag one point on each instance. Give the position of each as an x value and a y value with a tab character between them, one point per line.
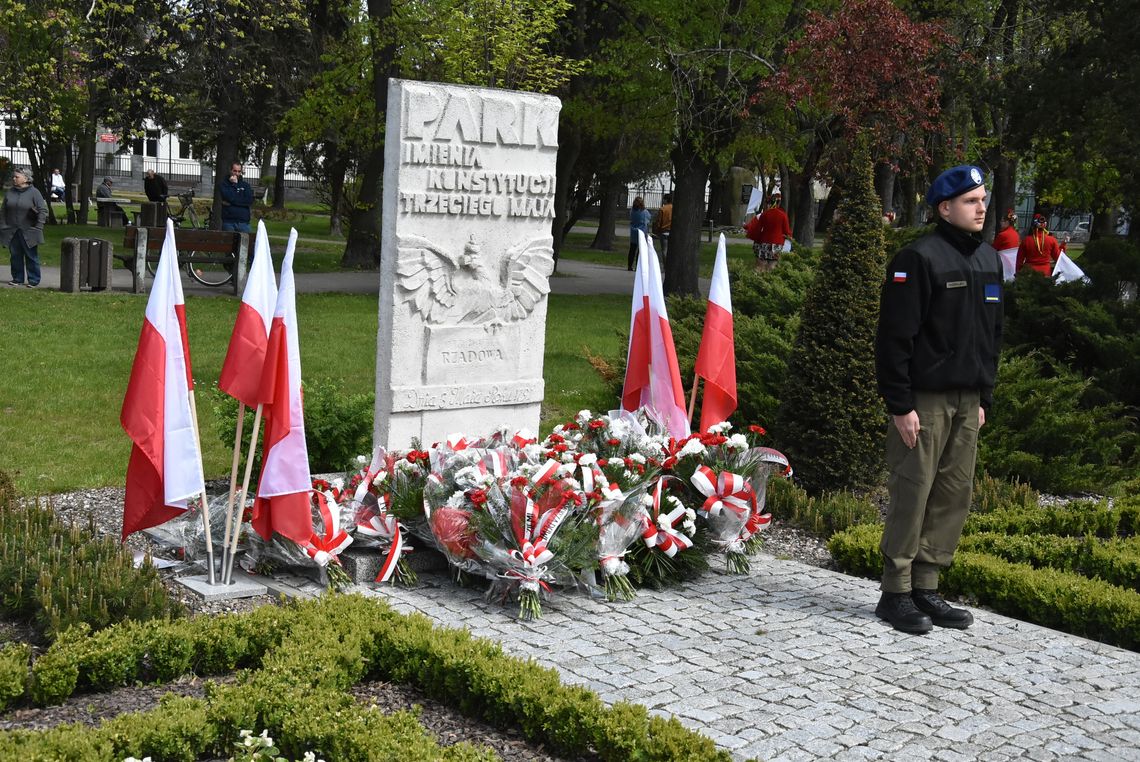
243	586
362	565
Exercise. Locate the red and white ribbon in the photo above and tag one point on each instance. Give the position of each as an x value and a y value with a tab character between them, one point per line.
660	528
723	490
382	460
324	547
385	526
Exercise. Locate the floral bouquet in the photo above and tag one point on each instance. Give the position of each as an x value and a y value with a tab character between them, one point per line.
321	549
620	519
723	470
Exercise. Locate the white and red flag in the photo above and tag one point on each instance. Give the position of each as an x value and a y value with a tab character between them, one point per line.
282	503
716	358
241	371
652	376
165	468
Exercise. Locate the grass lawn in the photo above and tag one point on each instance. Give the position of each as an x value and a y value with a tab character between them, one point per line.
577	247
67	359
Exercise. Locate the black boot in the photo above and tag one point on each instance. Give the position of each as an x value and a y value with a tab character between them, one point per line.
899	610
941	612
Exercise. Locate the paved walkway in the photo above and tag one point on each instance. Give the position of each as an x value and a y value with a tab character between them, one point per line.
790	663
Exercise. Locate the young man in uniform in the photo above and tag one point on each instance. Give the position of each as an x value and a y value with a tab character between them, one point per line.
936	356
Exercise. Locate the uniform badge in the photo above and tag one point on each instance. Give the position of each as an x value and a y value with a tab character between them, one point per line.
993	293
900	278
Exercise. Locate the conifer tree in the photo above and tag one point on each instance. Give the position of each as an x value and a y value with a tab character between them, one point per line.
831	422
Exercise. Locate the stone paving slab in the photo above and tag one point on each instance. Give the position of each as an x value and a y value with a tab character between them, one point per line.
789	662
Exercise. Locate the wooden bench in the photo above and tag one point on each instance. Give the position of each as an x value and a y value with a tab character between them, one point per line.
709	230
108	215
194	247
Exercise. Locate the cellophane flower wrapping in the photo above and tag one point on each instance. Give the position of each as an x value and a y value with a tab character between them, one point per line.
319	555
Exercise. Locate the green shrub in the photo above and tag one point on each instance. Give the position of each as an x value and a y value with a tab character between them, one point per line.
824	515
1114	561
1076	519
991	494
15	659
1042	430
338	426
831	421
58	575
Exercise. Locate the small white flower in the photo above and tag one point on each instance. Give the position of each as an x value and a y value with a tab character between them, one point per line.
629	476
362	460
647	500
245	733
720	428
583	416
689	526
588	459
738	442
266	741
637	457
337	483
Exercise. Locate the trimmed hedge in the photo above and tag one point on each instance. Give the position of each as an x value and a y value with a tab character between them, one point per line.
1076	519
1060	599
305	657
1114	561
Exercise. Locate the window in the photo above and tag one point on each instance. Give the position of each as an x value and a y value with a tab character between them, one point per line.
184	151
147	146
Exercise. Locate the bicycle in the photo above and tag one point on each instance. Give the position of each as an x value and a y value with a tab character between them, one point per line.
206	273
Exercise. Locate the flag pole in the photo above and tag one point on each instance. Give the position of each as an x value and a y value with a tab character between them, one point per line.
205	500
232	550
693	398
233	485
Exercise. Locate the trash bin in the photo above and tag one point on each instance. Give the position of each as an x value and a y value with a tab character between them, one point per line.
85	262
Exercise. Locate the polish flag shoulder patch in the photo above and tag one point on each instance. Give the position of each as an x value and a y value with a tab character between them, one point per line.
900	278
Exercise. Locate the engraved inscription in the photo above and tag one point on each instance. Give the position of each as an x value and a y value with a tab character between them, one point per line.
415	398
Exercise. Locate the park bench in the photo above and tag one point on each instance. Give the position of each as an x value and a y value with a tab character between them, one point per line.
710	230
195	247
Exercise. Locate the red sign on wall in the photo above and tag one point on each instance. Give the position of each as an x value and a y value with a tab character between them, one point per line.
106	137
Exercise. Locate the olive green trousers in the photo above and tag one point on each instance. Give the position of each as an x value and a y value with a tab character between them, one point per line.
930	487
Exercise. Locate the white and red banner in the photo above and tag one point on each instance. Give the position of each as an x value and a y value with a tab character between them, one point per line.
652	376
1066	270
716	358
282	503
165	468
241	371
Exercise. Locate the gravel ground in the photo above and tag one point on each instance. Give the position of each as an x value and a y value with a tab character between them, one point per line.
102	508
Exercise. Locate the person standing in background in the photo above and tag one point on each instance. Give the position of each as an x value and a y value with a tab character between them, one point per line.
663	225
155	186
1039	250
237	198
22	218
768	233
1006	242
638	221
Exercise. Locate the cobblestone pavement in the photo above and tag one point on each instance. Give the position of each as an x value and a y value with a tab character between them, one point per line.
790	663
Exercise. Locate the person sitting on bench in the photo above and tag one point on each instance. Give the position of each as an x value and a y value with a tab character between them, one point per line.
104	191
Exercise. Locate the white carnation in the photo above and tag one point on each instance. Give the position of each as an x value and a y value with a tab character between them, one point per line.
619	428
738	442
637	457
720	428
692	447
588	459
583	416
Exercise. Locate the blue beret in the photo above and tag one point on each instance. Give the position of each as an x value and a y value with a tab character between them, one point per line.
954	182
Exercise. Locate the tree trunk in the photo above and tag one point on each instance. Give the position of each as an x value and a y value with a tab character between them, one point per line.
337	165
885	185
801	203
227	154
688	213
827	209
569	146
86	171
1003	192
607	213
910	201
279	177
363	246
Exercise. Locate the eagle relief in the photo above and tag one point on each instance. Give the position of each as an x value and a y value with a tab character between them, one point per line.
459	288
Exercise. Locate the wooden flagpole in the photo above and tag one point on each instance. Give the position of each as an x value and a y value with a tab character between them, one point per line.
693	398
205	499
232	551
233	485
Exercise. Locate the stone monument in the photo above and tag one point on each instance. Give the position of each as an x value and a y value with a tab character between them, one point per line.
467	254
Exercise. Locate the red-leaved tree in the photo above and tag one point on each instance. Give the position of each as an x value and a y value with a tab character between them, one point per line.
868	72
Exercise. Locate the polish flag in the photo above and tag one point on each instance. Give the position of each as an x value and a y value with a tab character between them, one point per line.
165	468
282	503
716	358
241	371
652	376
